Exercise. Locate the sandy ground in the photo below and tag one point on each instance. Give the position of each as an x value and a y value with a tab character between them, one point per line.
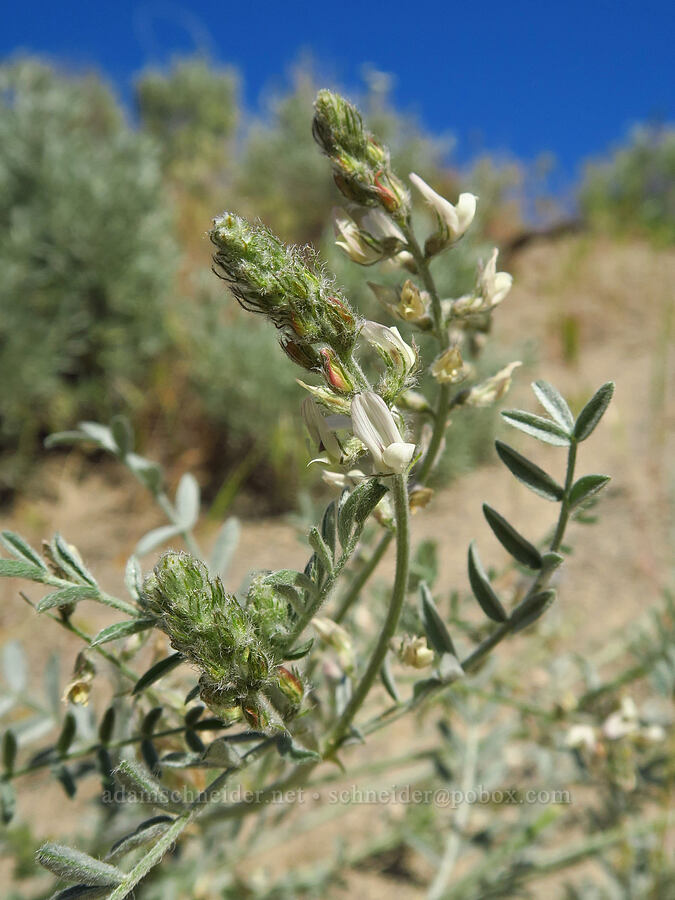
617	300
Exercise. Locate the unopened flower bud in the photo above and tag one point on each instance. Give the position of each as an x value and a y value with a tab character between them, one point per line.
361	166
290	685
283	283
334	372
302	354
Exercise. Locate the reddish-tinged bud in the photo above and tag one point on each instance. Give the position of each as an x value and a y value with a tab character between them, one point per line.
387	197
302	354
334	372
343	313
290	685
298	326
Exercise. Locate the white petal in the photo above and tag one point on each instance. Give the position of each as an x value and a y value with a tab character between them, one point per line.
502	285
466	210
378	223
381	417
397	456
365	430
443	207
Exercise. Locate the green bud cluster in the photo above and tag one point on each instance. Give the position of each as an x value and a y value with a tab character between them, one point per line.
236	647
285	284
361	165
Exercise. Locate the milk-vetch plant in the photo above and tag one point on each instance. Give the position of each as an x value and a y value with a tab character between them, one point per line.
279	663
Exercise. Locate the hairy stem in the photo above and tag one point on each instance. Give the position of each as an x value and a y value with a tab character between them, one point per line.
441	332
362	689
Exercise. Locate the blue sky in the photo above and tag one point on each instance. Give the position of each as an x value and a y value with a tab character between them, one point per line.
520	78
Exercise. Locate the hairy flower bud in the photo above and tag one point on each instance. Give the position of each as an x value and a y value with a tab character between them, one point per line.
283	283
361	165
233	645
334	372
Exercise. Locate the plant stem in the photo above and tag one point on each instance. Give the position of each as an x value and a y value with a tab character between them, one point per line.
441	332
564	510
362	690
430	285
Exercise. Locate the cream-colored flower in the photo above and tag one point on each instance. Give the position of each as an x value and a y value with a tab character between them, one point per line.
373	424
623	722
335	636
342	480
391	344
488	392
449	367
322	430
494	285
454	220
580	736
370	237
351	239
413	651
491	288
413	304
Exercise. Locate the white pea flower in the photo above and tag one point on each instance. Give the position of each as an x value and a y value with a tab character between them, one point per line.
342	480
354	243
580	736
623	722
322	430
449	367
454	220
379	226
368	239
413	651
391	344
373	424
491	288
494	285
488	392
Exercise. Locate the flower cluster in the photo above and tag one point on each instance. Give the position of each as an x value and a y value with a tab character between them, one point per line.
348	415
286	285
236	648
361	165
